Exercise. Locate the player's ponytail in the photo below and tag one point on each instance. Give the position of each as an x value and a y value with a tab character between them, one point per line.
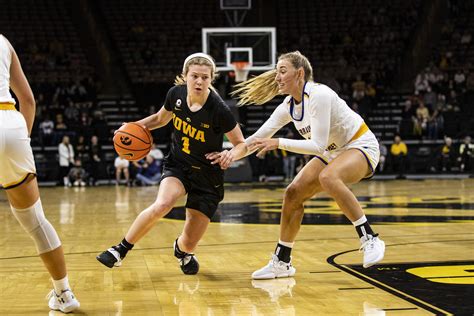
257	90
263	88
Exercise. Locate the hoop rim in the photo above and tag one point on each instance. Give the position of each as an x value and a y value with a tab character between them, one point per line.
240	65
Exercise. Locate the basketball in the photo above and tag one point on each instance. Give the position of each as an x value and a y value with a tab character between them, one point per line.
132	141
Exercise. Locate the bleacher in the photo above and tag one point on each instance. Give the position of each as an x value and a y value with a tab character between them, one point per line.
345	38
154	37
458	24
45	39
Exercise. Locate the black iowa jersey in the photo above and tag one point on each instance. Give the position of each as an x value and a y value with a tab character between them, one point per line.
197	133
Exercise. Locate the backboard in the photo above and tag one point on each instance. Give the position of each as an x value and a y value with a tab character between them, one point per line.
257	45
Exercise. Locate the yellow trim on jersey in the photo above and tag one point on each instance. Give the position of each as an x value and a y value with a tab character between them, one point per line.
7	106
361	131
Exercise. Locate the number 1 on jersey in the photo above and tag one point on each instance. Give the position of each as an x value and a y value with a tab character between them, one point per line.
186	145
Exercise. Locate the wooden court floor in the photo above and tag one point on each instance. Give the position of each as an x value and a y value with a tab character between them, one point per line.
428	227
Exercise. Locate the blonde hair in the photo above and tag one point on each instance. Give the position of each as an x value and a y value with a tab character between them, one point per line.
196	59
263	88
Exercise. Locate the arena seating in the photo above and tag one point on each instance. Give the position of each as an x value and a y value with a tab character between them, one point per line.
45	38
154	38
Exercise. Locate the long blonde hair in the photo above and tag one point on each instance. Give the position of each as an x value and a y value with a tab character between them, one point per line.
263	88
196	59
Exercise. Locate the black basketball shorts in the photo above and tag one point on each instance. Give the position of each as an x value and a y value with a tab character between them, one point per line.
205	188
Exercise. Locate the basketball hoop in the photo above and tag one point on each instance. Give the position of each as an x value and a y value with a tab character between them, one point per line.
241	70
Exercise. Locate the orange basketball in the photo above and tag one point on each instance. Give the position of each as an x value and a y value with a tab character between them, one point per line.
132	141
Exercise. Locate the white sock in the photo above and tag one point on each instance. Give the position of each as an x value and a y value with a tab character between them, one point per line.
360	221
286	244
61	285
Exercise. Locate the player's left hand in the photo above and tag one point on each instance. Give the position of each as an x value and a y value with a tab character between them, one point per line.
223	158
263	145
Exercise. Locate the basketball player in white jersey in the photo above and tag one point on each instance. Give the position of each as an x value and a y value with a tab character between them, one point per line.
345	151
18	175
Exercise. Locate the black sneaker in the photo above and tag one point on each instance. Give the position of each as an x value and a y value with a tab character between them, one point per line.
189	264
110	258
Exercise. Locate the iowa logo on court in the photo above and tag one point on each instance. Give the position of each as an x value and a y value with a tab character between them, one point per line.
444	287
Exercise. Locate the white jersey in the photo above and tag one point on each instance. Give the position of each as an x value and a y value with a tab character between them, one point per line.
322	118
5	62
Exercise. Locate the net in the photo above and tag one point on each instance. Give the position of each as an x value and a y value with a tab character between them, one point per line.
241	70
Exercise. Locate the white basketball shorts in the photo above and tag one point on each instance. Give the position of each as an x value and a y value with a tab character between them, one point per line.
16	155
366	143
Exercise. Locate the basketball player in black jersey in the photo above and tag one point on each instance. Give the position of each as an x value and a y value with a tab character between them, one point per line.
200	120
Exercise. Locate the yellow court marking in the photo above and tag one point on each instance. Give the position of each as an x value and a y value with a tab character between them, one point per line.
454	274
395	290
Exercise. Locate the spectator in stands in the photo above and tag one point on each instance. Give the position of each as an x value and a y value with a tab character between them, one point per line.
435	123
441	101
156	153
46	133
358	88
40	106
85	125
399	152
71	113
408	118
466	154
66	160
459	80
121	167
95	160
430	98
78	92
453	100
60	126
82	149
421	82
371	93
446	155
77	175
436	79
149	172
421	123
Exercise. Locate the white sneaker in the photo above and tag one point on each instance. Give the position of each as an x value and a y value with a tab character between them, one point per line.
374	250
274	269
65	302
